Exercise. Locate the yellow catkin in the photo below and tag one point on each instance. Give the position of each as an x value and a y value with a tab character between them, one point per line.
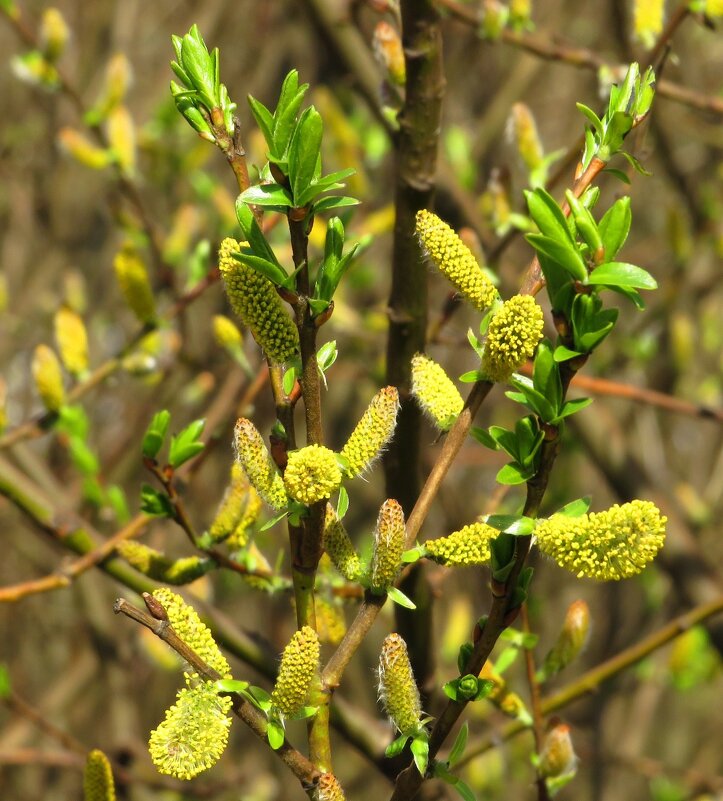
610	545
226	333
435	392
397	688
330	621
72	340
233	505
512	337
118	76
714	8
239	537
311	474
54	34
372	432
339	547
527	140
122	138
454	260
158	566
3	405
328	789
134	284
468	546
571	639
82	149
299	663
256	462
388	546
187	624
648	16
254	299
98	782
194	733
48	378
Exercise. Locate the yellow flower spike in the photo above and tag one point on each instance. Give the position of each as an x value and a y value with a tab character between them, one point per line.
83	150
98	782
158	566
714	8
187	624
254	299
330	621
527	140
388	546
557	755
372	432
435	392
339	547
256	462
232	508
312	474
512	337
570	641
455	260
134	284
48	378
299	663
194	734
520	13
239	537
468	546
72	340
648	20
3	405
122	138
226	333
608	546
328	789
397	688
118	76
53	34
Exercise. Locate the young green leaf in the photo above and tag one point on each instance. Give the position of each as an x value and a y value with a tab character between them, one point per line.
185	445
304	150
155	434
614	226
619	273
420	752
459	745
575	508
268	195
275	734
155	503
400	598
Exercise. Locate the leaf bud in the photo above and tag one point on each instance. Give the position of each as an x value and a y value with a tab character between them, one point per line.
570	641
557	755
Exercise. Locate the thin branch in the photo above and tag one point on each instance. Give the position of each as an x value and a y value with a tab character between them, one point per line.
579	57
299	765
64	576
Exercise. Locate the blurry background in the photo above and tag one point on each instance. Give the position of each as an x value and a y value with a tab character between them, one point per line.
653	732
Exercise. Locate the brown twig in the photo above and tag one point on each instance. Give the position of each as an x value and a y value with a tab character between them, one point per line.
65	575
299	765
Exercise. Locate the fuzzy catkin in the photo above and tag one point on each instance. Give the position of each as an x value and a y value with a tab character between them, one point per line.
72	340
339	547
254	299
133	281
194	733
48	378
435	392
571	639
158	566
512	337
98	782
610	545
648	16
468	546
388	546
397	688
527	140
311	474
328	789
299	663
454	260
187	624
256	462
233	505
372	432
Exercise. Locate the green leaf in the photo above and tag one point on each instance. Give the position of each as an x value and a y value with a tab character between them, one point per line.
573	406
420	752
614	226
546	376
326	355
185	445
534	399
199	66
483	436
304	150
264	119
561	252
333	202
342	503
593	118
506	659
304	713
619	273
516	525
635	164
512	474
464	790
396	746
274	520
562	354
275	734
459	745
231	686
254	235
5	685
267	268
155	434
155	503
575	508
273	195
548	216
471	376
413	554
290	99
289	380
400	598
619	174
